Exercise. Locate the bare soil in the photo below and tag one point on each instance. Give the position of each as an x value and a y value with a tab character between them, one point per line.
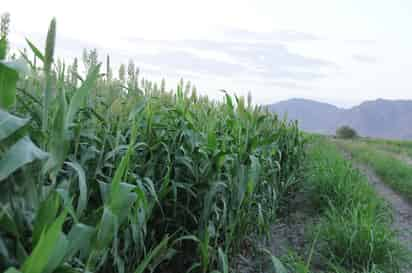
291	235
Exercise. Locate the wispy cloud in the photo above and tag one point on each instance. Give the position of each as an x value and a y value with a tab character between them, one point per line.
364	58
241	54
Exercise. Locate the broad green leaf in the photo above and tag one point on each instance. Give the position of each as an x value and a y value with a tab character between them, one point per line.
82	202
8	81
107	229
10	124
122	202
39	258
59	252
46	215
19	65
20	154
79	239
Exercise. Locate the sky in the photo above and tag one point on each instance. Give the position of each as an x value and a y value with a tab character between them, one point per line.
337	51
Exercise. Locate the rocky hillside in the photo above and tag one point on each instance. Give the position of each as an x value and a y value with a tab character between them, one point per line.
378	118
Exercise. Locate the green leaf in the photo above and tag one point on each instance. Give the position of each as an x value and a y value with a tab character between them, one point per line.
278	266
107	229
3	48
82	203
20	154
59	139
7	223
19	65
224	264
59	252
122	202
39	258
79	98
152	254
10	124
79	239
46	214
8	81
35	50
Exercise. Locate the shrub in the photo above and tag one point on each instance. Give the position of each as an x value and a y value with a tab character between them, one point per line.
346	132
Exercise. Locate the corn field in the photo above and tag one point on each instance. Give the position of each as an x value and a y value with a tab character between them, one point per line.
107	174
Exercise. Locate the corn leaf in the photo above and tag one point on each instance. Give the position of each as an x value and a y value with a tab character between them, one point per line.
82	203
20	154
10	124
38	260
35	50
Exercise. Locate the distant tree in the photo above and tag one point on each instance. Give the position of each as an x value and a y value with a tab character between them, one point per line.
346	132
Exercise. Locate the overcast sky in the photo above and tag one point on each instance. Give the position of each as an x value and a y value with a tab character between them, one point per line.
337	51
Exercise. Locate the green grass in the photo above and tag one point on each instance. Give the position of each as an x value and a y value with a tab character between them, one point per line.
99	174
394	146
394	172
355	228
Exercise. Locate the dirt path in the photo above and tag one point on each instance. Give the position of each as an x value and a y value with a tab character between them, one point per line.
402	209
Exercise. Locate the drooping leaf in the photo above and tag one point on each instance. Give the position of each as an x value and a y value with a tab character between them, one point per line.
82	203
10	124
19	65
79	239
107	229
20	154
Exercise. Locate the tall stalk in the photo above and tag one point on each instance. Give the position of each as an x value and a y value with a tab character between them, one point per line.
48	61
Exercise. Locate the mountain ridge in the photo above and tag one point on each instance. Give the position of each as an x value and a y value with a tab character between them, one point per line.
381	118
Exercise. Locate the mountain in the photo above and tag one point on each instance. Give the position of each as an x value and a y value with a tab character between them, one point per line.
379	118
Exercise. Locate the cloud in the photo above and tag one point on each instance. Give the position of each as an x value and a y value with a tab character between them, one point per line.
274	36
364	58
364	42
241	54
231	58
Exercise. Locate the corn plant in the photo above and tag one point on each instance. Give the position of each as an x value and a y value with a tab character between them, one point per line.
135	178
